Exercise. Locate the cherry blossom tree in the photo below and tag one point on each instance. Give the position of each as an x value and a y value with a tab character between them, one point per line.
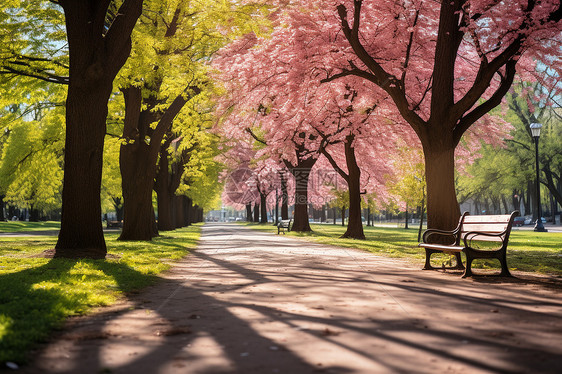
275	88
449	64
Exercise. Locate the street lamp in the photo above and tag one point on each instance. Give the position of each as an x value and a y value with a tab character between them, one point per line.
536	133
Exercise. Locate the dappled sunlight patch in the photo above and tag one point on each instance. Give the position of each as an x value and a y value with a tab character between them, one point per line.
39	293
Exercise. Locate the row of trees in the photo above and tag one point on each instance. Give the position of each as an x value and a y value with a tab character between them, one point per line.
117	82
308	85
347	81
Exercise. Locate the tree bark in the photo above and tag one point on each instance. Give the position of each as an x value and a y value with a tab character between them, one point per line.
354	224
300	217
249	212
443	210
81	233
178	202
189	219
263	206
284	196
256	213
96	56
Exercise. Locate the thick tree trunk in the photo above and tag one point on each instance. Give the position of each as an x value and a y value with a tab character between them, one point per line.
443	210
170	215
81	233
2	215
137	179
354	224
301	174
263	206
96	56
300	218
165	216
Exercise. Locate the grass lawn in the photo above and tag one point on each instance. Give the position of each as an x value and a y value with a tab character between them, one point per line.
20	226
527	250
37	294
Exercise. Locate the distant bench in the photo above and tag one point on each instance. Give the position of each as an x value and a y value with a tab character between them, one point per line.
284	225
471	230
111	224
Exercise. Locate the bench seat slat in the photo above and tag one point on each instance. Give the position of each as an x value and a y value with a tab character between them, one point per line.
441	247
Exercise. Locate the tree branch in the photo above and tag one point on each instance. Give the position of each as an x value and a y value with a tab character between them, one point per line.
465	122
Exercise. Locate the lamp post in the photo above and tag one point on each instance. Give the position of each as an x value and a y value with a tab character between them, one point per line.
536	133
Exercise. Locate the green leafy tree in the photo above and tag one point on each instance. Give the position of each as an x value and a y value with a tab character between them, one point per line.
98	43
173	43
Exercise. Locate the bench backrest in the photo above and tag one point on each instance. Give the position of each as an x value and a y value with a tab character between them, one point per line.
285	223
492	224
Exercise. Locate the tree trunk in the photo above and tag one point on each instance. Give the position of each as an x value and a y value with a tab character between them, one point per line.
256	213
354	223
167	181
137	180
164	195
443	211
284	196
189	218
302	174
422	212
263	205
406	218
551	185
165	216
96	56
81	233
249	212
179	223
118	206
343	215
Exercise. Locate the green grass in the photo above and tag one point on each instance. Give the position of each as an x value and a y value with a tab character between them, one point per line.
38	294
21	226
527	250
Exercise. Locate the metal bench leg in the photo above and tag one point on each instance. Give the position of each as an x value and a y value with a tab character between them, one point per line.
505	270
428	253
459	265
468	270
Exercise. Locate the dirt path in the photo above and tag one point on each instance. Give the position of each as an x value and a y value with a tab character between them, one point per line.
251	302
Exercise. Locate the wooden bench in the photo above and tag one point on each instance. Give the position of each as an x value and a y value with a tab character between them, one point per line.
113	224
465	238
284	225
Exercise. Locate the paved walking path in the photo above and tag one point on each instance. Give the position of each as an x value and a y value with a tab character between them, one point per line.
252	302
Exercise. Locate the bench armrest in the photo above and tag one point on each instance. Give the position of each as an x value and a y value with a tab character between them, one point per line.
429	232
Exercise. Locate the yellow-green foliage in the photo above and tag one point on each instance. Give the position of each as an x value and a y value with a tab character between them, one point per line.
408	182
